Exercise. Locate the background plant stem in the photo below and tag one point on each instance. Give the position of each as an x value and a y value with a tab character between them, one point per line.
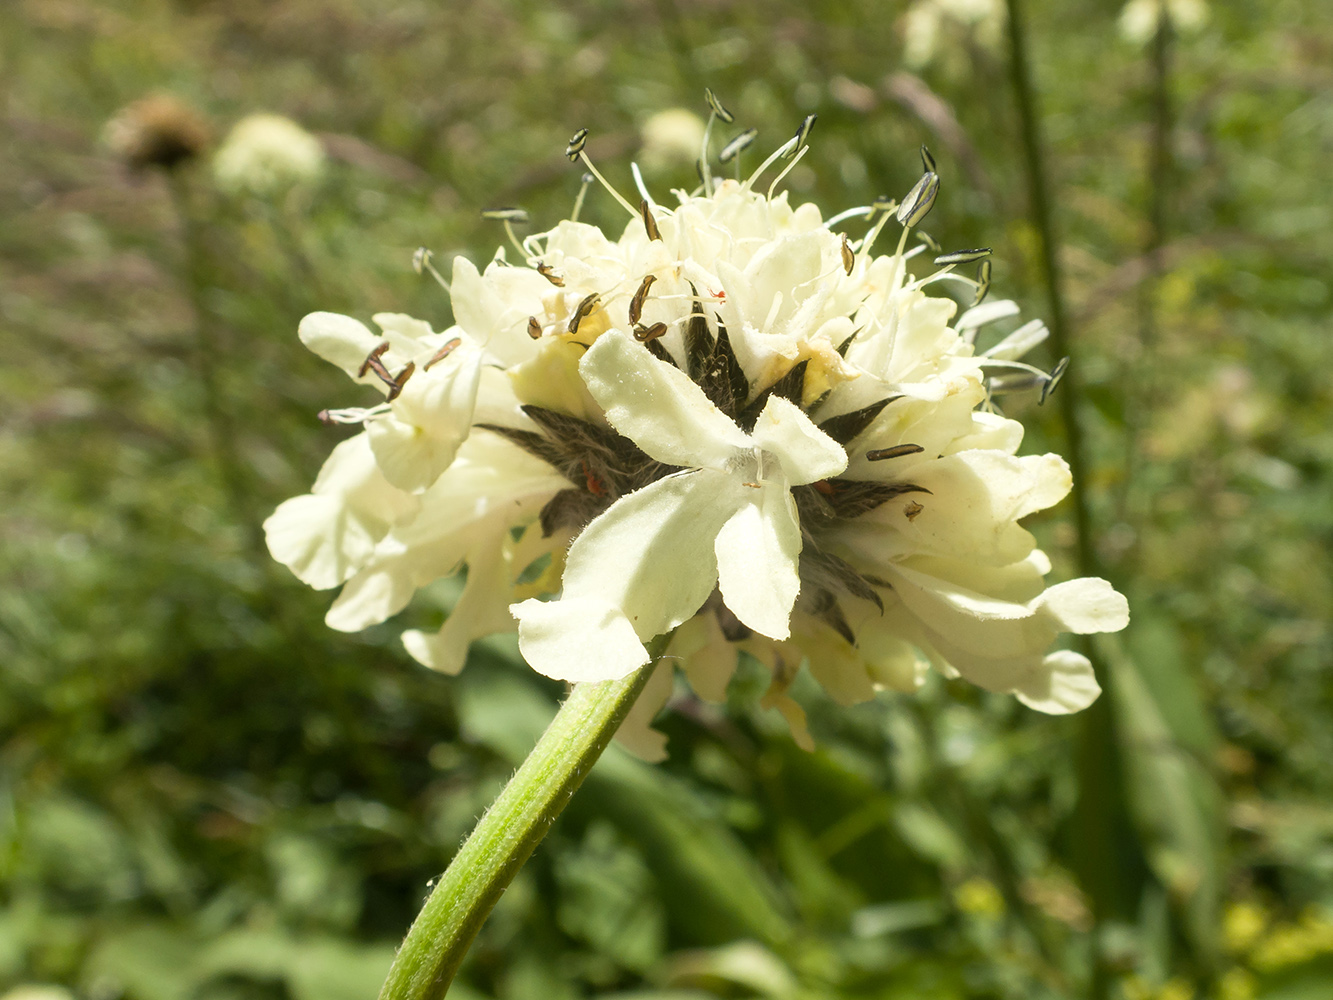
508	833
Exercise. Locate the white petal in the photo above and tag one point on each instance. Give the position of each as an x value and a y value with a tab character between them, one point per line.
318	539
1066	683
578	639
339	340
482	609
1087	605
429	422
376	593
636	734
651	553
657	406
807	454
988	312
708	658
758	550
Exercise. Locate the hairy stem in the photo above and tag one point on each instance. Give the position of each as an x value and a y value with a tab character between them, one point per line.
506	836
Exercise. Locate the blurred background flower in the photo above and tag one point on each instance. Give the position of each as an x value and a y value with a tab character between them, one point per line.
263	154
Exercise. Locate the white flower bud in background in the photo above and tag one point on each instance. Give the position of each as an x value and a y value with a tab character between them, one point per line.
671	138
926	20
266	154
1138	19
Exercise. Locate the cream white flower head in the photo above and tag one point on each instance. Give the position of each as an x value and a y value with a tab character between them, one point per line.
265	154
732	423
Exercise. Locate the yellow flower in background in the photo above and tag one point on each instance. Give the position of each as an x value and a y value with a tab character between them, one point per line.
265	154
732	421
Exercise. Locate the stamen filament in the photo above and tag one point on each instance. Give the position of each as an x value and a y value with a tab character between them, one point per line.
606	184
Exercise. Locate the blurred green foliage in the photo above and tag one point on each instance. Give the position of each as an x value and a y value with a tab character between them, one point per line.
204	793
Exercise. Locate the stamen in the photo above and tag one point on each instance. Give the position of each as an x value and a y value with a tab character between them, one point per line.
555	277
964	256
848	258
421	261
373	362
716	107
575	151
787	169
643	334
640	185
773	157
588	304
508	216
931	243
1053	381
442	353
803	131
578	201
636	303
983	282
534	328
737	145
649	223
897	451
912	510
882	204
864	211
396	385
920	200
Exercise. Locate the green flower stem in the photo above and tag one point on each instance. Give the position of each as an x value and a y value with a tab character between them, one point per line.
505	837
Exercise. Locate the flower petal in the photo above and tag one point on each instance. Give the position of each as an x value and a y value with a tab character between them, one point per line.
649	556
807	454
758	551
636	733
429	421
578	639
1066	683
339	340
657	406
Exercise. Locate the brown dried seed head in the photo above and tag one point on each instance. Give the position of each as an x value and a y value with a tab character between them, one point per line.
157	131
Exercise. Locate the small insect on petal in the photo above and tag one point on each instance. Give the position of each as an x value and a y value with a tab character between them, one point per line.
912	510
396	385
927	161
576	144
555	277
420	259
373	362
983	282
802	135
716	106
848	258
643	334
649	223
931	243
636	303
442	353
964	256
737	145
920	200
588	304
534	328
897	451
1053	379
